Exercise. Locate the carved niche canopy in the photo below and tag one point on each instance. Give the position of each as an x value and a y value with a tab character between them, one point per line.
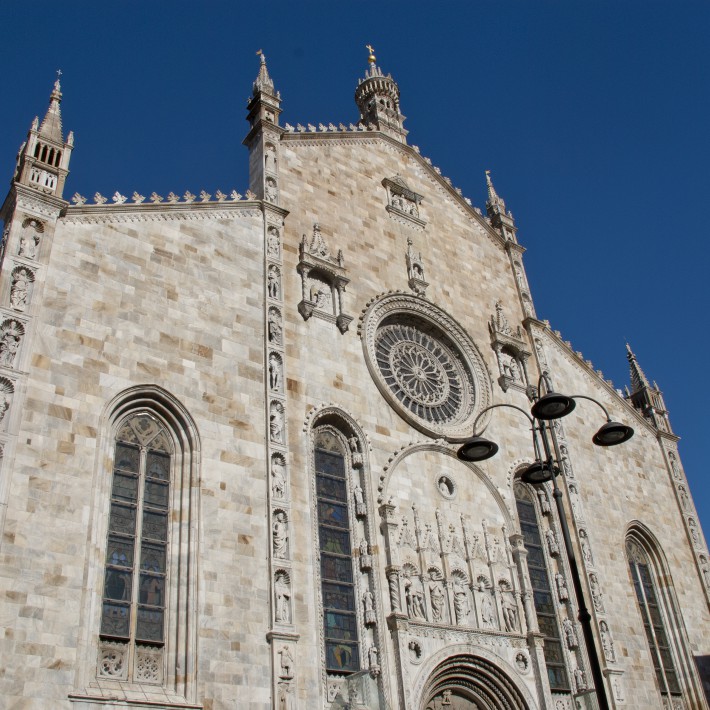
323	281
511	352
402	202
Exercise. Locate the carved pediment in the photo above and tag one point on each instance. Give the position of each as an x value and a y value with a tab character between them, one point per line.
402	201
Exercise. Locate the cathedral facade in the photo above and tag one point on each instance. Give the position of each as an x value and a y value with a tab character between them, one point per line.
232	471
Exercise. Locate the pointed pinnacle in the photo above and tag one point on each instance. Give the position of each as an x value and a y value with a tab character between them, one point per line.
638	378
51	127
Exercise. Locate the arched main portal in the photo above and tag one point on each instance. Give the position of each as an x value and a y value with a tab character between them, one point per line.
465	682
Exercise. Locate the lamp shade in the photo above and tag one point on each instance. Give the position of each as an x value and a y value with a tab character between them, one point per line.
553	405
537	473
612	433
477	449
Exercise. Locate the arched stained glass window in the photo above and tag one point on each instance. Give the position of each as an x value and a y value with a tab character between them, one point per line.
136	575
652	615
542	591
340	625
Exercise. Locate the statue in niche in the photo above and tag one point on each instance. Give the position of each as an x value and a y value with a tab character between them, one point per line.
273	242
274	327
570	634
436	594
562	591
274	282
586	550
580	679
360	509
552	544
682	492
415	601
354	445
283	598
607	642
274	372
596	592
487	614
510	614
270	190
278	478
270	159
9	343
544	502
574	501
28	244
276	423
19	290
372	657
286	662
693	531
320	293
368	601
286	699
365	556
674	465
280	536
4	404
462	608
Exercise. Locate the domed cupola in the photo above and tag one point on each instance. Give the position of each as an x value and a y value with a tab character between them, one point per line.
377	97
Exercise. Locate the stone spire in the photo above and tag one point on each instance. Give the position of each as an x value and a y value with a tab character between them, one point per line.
263	81
645	398
501	220
377	98
43	160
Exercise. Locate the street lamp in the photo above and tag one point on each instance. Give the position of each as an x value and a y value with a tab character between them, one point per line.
546	408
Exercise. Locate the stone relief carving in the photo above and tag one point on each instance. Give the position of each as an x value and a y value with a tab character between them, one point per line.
414	597
270	190
278	476
522	662
586	549
580	680
365	555
607	642
445	486
275	372
552	544
355	452
274	282
287	663
544	501
11	333
323	281
22	280
368	601
279	532
415	270
692	526
562	591
30	238
282	591
596	592
488	618
511	351
270	158
7	390
286	698
148	664
570	634
273	242
403	203
276	422
113	657
684	499
275	327
436	594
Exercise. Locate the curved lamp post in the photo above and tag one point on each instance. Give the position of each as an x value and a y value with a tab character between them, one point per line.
546	408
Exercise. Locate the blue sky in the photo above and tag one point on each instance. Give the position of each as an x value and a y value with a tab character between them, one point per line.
592	116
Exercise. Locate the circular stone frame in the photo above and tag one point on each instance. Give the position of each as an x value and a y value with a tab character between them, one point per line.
416	313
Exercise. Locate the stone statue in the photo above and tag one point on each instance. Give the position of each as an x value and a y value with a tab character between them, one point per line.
354	445
283	598
280	536
275	328
415	602
365	556
28	245
596	592
274	372
586	550
693	531
4	404
570	634
9	344
19	290
607	642
286	662
367	601
372	657
274	282
278	478
510	615
487	615
437	601
360	509
544	502
562	591
684	500
276	423
552	544
462	607
270	190
273	242
270	159
580	680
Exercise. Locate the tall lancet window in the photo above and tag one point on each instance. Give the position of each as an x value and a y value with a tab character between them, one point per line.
135	580
545	604
340	625
652	615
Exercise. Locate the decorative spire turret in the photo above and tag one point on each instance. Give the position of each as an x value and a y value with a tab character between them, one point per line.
646	398
501	219
43	160
377	98
263	81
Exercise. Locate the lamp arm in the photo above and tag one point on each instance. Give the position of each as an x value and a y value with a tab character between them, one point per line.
544	377
501	404
591	399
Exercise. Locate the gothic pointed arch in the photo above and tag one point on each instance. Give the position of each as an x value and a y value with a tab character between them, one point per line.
661	621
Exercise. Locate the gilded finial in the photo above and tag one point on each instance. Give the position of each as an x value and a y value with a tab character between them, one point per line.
371	50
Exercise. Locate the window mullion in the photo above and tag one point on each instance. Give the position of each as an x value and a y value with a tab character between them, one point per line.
138	542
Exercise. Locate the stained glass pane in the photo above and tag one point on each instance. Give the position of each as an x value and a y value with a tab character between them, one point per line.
338	596
117	585
547	625
152	590
153	557
125	487
558	678
120	551
336	568
543	602
158	466
115	620
127	458
123	519
341	657
149	624
331	488
156	494
340	626
337	541
535	557
333	514
330	463
553	651
155	525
